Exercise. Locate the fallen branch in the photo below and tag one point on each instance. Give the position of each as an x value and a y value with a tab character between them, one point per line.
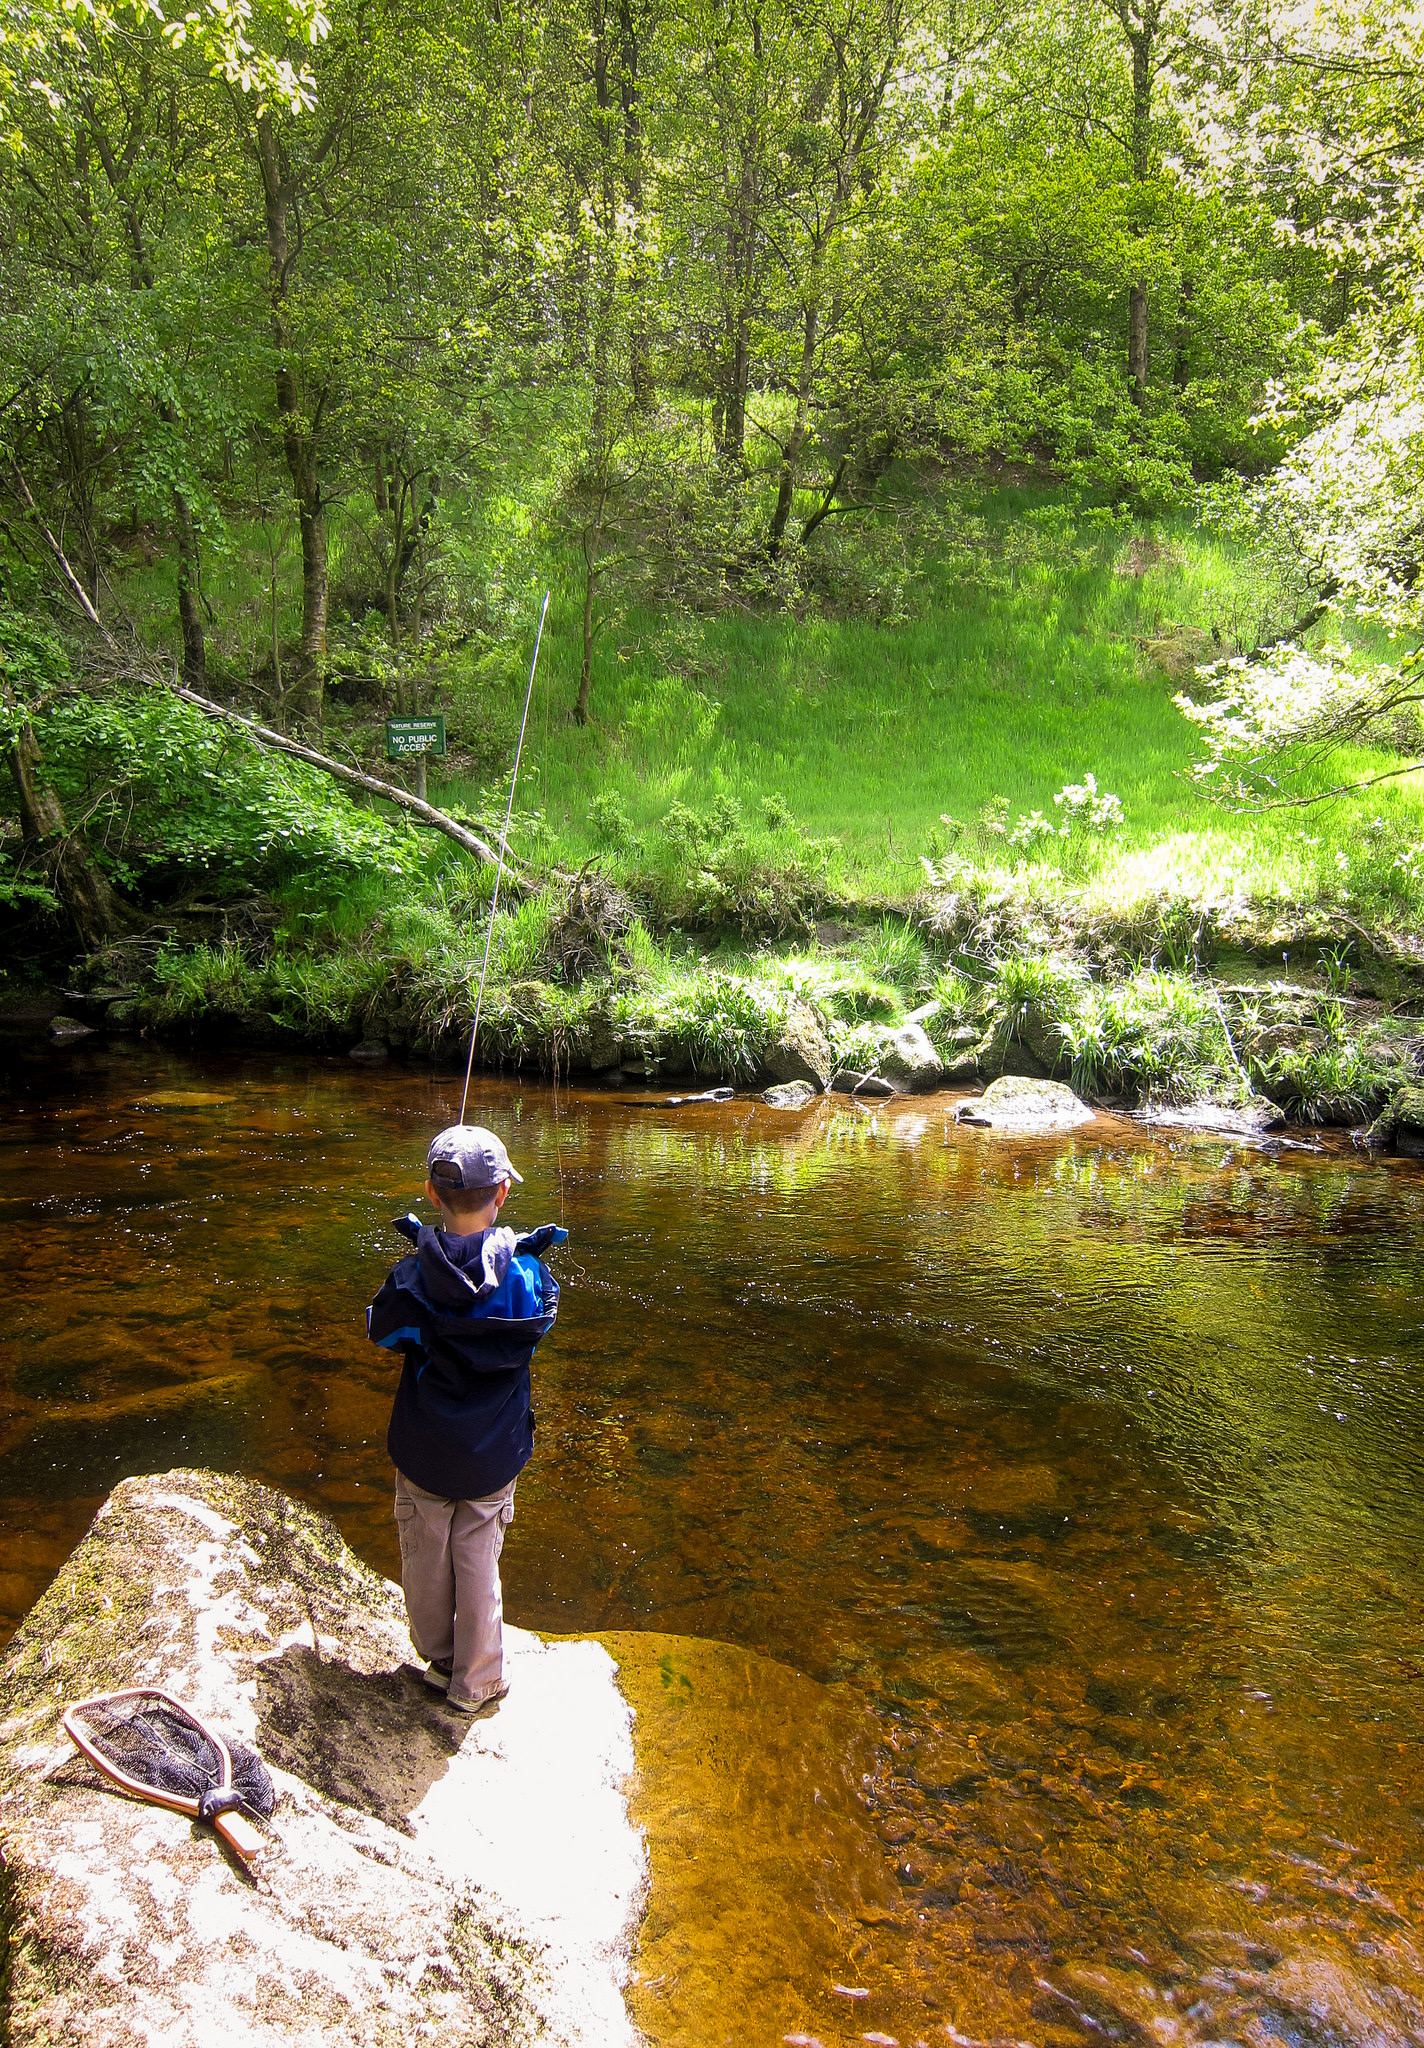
71	582
426	814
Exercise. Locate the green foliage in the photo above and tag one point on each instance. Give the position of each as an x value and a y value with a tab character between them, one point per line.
521	937
169	793
207	983
610	823
1155	1034
1039	981
895	951
34	662
723	1020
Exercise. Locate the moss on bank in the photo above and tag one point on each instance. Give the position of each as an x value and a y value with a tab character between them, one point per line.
1172	1003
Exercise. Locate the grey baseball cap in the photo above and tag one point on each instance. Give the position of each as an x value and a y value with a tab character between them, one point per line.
468	1156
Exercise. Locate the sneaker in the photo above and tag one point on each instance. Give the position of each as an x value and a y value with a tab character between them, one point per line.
437	1676
491	1699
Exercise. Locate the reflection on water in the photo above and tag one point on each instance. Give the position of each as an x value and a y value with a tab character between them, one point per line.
1068	1495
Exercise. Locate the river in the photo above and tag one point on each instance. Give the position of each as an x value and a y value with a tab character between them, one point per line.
1058	1503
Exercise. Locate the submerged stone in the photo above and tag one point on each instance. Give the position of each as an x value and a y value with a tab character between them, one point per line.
790	1095
69	1030
371	1049
423	1879
1247	1120
850	1081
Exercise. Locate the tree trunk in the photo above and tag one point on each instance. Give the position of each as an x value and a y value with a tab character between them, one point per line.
1137	341
800	426
190	617
299	433
1140	30
88	898
590	577
640	365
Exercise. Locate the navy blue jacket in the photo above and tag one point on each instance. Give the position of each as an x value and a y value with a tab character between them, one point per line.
467	1313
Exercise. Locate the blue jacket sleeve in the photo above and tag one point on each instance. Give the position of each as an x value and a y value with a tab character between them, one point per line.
389	1319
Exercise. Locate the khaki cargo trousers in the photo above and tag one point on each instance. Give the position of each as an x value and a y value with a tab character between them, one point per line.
450	1577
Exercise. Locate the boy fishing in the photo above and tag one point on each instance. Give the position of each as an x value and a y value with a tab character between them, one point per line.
466	1308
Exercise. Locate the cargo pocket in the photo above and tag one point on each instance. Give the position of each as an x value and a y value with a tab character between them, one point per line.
405	1524
506	1516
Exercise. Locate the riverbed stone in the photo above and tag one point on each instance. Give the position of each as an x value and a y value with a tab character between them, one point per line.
1257	1118
790	1095
1041	1036
69	1030
851	1081
1409	1122
1019	1103
910	1060
426	1878
603	1049
802	1051
371	1051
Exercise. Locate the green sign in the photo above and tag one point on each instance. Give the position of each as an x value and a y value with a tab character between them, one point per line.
406	736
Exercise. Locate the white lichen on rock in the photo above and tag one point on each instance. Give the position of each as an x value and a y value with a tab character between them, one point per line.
428	1879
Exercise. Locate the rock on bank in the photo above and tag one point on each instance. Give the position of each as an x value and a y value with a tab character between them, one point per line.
428	1879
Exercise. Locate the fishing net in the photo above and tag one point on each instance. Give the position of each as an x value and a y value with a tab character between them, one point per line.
156	1742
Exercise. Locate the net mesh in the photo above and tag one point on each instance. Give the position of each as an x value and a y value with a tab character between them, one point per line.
161	1746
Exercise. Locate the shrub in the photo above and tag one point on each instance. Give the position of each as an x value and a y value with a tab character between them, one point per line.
610	823
724	815
1159	1035
1041	981
209	981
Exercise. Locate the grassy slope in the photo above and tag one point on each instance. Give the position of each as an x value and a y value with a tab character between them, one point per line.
1029	653
1021	667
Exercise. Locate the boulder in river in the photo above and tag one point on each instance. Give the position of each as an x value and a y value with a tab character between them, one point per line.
371	1050
790	1095
868	1087
801	1052
910	1060
426	1878
1041	1037
69	1030
1217	1119
1018	1103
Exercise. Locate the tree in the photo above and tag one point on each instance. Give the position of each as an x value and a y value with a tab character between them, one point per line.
1329	107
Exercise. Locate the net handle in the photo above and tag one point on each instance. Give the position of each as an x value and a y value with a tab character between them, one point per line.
239	1834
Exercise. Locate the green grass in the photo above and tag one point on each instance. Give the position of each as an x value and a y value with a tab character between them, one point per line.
1031	659
1034	645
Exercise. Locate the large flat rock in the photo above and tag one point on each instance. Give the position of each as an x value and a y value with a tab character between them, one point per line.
1025	1107
428	1879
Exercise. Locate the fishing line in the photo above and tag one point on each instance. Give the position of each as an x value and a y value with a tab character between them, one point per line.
499	865
558	1148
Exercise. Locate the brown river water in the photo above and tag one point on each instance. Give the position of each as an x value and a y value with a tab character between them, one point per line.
1049	1513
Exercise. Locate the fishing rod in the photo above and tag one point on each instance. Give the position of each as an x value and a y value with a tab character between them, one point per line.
499	865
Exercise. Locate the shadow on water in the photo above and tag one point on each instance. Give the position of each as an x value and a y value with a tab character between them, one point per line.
1049	1516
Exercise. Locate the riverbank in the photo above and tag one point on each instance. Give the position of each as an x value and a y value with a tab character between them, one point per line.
1286	1015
